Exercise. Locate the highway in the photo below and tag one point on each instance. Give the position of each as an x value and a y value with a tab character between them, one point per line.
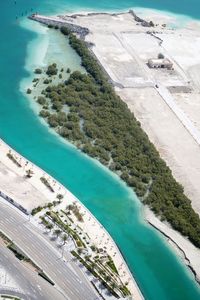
16	226
30	286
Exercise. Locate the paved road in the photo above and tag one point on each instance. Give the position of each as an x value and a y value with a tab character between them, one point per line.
29	285
23	233
168	98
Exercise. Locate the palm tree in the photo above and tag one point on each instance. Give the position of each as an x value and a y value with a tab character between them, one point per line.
113	285
49	205
29	173
92	265
49	226
64	238
108	278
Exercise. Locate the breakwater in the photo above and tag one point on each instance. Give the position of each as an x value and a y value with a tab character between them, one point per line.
57	21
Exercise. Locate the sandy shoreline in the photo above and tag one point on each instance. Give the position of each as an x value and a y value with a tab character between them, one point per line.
33	188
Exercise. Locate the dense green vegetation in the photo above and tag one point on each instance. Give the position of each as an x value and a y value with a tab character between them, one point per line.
101	125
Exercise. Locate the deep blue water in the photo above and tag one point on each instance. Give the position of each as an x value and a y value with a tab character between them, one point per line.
157	270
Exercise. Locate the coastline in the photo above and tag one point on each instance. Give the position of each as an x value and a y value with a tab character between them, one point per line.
91	225
183	248
167	231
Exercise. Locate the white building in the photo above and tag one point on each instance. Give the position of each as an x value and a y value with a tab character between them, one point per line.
163	63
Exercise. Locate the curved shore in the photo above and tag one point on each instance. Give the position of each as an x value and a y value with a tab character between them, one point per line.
186	250
91	225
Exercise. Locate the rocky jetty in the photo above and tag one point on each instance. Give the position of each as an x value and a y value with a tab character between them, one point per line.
56	21
143	22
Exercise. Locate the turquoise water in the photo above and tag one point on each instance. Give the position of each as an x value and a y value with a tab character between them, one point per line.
159	273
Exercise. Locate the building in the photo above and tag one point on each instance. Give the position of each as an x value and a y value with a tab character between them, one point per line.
163	63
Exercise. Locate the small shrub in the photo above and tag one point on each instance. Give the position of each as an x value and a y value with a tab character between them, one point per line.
161	56
59	196
41	100
38	71
46	81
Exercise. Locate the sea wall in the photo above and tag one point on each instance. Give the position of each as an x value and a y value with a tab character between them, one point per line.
185	249
56	21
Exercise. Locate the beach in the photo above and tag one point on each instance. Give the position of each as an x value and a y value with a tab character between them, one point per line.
31	192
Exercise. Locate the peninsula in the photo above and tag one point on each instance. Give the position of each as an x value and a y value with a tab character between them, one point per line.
151	77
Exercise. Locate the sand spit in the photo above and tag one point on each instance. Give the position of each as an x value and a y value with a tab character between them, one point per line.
31	192
166	102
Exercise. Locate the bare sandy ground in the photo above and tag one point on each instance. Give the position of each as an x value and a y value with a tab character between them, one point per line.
190	104
18	188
